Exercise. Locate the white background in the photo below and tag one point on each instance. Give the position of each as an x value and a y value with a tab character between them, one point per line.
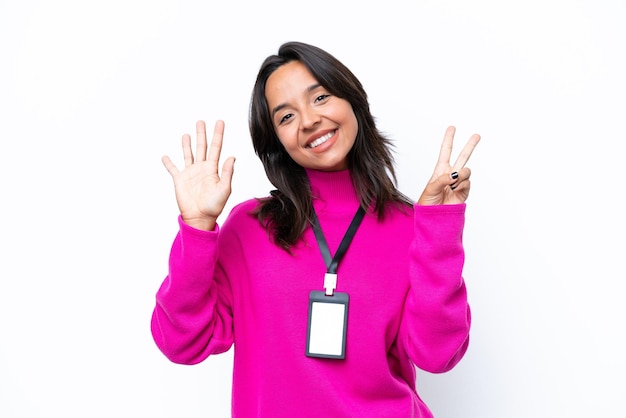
93	93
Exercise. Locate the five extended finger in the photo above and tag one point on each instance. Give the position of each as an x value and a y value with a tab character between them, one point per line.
227	170
201	143
216	144
187	154
169	165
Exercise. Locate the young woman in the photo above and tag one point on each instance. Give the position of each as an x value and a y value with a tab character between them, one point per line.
324	322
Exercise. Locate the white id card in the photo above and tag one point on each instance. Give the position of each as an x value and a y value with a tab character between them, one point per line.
327	325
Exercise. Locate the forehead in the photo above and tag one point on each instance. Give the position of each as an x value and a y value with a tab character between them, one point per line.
289	80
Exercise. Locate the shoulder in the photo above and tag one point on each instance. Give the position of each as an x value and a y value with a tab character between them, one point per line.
244	208
397	219
240	225
400	212
241	214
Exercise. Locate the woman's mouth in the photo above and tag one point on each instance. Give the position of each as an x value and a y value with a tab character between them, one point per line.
319	141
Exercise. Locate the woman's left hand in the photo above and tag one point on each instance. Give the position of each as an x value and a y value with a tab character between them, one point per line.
450	184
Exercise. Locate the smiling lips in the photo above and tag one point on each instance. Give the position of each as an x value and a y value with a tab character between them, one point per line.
319	141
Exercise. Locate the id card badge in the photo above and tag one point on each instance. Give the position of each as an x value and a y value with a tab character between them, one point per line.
327	325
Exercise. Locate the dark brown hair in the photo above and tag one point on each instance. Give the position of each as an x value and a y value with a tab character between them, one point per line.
289	209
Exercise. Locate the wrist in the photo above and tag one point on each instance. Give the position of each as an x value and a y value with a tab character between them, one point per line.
206	223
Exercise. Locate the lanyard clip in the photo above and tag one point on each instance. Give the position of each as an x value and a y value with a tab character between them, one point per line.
330	283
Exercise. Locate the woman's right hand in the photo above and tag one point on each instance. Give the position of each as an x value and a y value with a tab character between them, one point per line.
201	193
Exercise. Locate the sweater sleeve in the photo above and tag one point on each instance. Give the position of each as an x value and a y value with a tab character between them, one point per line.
436	321
192	318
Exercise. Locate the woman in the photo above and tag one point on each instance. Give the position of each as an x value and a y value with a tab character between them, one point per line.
266	282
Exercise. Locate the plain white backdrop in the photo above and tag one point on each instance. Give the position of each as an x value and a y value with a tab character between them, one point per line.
93	93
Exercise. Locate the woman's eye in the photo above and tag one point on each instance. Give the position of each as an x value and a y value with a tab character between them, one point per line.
285	118
321	97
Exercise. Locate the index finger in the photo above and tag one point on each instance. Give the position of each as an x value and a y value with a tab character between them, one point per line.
466	152
446	146
216	144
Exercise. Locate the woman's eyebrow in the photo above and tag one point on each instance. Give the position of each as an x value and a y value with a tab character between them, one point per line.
309	89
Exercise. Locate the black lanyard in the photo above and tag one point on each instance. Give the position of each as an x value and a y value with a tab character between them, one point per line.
333	262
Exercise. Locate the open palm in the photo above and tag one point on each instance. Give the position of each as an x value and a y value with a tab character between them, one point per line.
201	192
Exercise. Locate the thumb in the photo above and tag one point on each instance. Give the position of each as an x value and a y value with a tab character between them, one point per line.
228	169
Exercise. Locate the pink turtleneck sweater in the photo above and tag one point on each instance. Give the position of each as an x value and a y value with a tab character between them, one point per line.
408	307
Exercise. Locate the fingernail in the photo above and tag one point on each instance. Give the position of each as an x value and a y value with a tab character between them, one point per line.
454	175
453	186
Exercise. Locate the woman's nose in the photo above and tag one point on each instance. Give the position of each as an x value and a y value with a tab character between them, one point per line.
310	118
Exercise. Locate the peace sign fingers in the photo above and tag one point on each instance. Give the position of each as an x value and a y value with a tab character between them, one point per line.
450	184
446	147
466	152
446	150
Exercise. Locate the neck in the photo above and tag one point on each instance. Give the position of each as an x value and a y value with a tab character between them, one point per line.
333	189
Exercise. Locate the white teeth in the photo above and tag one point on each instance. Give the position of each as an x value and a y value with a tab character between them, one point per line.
319	141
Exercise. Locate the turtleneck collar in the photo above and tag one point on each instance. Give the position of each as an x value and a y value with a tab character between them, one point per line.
334	188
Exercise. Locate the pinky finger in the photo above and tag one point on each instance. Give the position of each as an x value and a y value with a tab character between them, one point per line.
169	165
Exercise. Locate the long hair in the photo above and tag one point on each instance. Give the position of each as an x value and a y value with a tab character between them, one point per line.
288	210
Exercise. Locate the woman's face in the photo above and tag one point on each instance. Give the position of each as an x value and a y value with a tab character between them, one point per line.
316	128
